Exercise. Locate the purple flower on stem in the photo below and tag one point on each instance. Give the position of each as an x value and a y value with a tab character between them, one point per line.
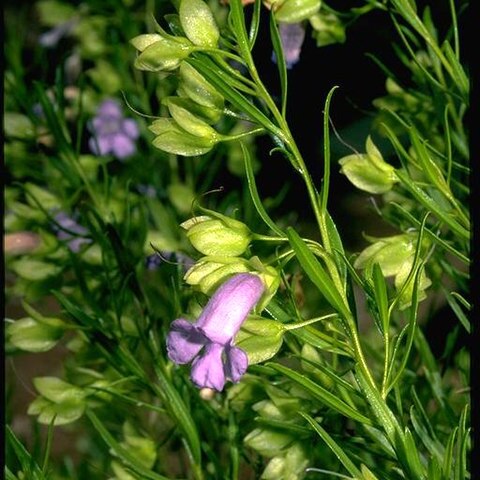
68	229
292	36
112	132
153	261
214	332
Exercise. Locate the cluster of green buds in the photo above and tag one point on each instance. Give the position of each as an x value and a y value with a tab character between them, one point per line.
198	106
222	240
196	28
286	451
396	255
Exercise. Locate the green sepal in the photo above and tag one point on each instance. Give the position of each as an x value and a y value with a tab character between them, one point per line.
198	89
294	11
193	118
172	138
369	172
164	54
198	23
33	336
260	339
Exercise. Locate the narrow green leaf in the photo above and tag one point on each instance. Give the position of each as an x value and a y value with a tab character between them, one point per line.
281	65
252	186
326	152
255	23
77	313
412	456
337	246
433	236
239	29
430	204
410	329
329	399
449	451
381	297
336	449
28	464
461	449
434	448
457	309
9	475
179	411
460	78
317	273
122	452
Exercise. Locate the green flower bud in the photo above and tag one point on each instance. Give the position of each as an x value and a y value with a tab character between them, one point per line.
32	335
294	11
406	296
271	279
172	138
260	339
391	253
60	401
40	196
268	442
274	469
143	448
35	270
327	29
159	52
181	196
191	118
198	23
209	272
18	126
369	172
221	236
290	465
395	256
194	85
267	409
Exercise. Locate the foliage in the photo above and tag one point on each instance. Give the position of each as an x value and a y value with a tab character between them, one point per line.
121	120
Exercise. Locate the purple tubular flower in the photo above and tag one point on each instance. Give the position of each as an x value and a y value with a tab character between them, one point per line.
112	133
68	231
214	332
292	36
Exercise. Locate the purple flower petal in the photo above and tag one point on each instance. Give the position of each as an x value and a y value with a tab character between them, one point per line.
236	363
184	341
109	108
76	244
292	36
207	370
130	128
229	306
100	145
121	145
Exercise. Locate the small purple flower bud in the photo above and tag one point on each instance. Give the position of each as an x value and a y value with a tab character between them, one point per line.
214	332
292	36
68	229
112	133
50	38
153	261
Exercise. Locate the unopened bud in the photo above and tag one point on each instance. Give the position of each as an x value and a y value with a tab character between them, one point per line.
221	236
368	171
